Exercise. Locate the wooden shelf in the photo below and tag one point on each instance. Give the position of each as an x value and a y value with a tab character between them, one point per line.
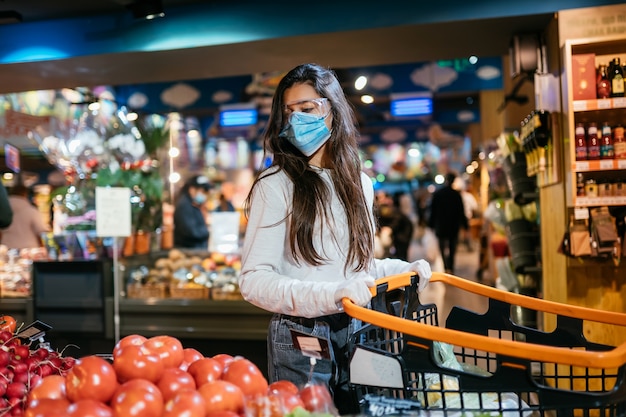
599	165
599	104
599	201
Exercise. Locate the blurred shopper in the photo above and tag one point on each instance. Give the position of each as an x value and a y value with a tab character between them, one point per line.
447	218
309	241
27	225
6	213
223	204
471	209
399	224
190	227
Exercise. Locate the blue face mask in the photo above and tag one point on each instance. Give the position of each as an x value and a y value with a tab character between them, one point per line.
307	132
199	198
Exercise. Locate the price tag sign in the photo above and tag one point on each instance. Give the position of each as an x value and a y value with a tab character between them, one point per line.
580	105
606	164
604	104
378	406
621	164
581	213
581	166
310	345
619	102
113	211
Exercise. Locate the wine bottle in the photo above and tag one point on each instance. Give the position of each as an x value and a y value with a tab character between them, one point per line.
603	85
581	142
606	142
593	142
617	79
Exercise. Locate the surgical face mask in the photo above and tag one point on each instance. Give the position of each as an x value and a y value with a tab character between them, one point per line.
199	198
306	129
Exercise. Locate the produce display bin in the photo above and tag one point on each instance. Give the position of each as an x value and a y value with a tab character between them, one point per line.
482	363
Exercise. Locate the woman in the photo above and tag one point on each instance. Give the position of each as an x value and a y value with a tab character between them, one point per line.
310	235
190	228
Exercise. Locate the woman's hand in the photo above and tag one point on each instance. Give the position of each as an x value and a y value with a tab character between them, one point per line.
422	268
356	289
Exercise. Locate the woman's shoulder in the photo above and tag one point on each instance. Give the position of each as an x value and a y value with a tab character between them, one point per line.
273	179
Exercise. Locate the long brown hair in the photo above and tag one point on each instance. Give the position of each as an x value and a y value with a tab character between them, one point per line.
310	195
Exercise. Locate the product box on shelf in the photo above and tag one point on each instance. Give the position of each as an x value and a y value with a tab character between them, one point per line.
584	76
184	274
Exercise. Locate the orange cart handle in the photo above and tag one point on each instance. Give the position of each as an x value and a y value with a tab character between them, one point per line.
605	359
584	313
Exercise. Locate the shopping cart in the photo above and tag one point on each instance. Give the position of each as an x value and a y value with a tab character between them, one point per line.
482	363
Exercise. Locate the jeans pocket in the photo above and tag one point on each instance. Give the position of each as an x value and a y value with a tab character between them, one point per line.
286	361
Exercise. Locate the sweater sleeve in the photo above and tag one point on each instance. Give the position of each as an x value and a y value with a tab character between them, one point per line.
264	257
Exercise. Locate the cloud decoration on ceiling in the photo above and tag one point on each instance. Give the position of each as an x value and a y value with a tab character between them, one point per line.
180	95
488	72
381	81
393	135
222	96
433	76
138	100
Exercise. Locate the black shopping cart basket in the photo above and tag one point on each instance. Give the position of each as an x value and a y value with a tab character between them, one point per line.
482	364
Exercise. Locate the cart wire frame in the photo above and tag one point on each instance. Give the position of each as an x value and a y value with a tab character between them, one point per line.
500	367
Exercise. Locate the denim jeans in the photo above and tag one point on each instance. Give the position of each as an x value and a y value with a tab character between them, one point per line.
288	363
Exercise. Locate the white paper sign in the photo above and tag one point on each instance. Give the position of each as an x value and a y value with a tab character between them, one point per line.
113	211
224	237
375	369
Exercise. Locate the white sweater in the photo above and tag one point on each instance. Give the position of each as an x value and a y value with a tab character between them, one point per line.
270	279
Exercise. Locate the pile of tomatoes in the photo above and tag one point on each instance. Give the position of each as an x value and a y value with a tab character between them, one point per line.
21	368
158	377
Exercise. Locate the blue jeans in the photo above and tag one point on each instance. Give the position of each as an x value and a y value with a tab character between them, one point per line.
288	363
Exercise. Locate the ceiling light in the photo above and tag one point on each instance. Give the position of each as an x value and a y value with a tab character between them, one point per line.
147	9
367	99
10	16
360	82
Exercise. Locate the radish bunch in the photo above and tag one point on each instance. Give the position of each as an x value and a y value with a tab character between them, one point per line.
22	368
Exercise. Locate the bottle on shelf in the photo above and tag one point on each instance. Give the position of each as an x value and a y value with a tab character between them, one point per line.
603	85
616	75
606	142
593	142
619	142
581	142
580	185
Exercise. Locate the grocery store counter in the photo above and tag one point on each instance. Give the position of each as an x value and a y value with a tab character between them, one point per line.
207	319
203	319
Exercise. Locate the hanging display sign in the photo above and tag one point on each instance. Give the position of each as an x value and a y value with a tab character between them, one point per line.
593	22
113	211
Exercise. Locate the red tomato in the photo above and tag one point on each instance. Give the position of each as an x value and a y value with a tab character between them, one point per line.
47	407
52	387
283	386
188	403
267	406
174	380
92	377
247	376
205	370
190	355
222	396
287	400
137	398
134	361
222	414
316	398
224	358
131	339
89	408
8	323
169	348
